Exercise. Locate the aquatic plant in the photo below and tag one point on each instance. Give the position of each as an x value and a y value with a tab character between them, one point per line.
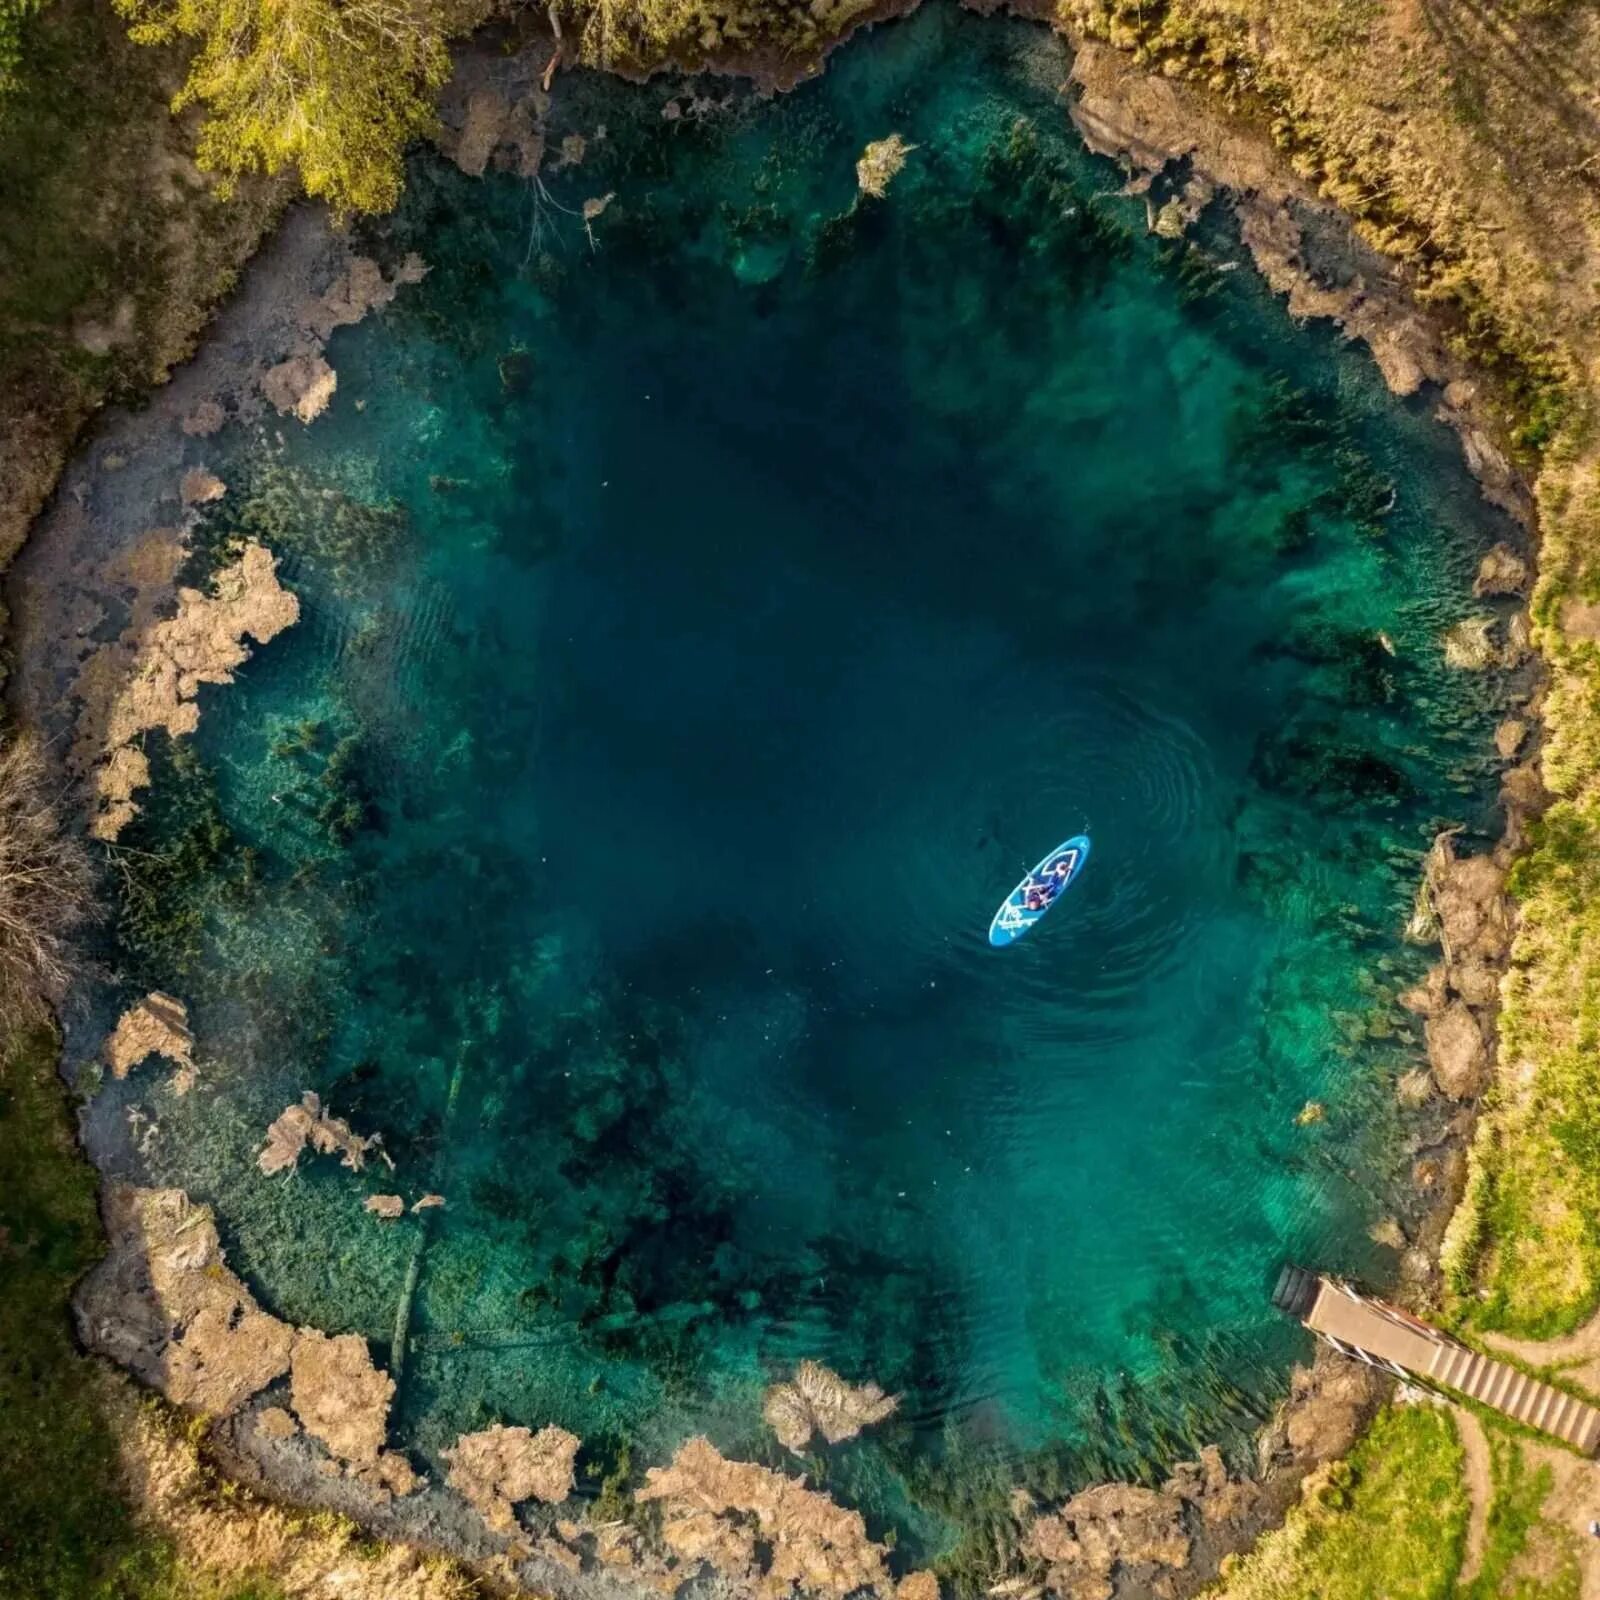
174	861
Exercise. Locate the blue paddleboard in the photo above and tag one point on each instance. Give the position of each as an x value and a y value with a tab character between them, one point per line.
1040	890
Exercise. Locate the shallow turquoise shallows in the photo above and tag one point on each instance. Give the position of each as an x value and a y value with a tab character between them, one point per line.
709	613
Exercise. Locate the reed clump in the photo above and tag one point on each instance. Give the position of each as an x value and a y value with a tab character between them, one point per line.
45	887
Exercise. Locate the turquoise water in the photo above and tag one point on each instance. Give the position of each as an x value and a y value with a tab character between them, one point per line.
705	623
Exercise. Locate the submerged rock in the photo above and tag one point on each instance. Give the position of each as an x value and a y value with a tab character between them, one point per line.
302	386
157	1026
200	487
1502	571
306	1123
154	675
879	163
815	1545
1467	645
498	1467
818	1400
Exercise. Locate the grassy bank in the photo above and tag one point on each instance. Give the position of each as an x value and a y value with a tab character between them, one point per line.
1390	1522
67	1531
113	248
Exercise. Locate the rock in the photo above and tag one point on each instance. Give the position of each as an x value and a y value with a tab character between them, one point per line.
157	1026
359	289
1519	641
1457	1052
1416	1266
303	385
1467	897
1508	737
498	1467
273	1422
1113	1525
1414	1088
200	487
428	1202
339	1396
879	163
1522	789
487	114
387	1206
163	1304
818	1400
159	671
306	1123
615	1544
396	1474
1476	982
1387	1232
813	1544
206	419
1427	997
1311	1113
1467	645
920	1585
701	1536
553	1550
1502	571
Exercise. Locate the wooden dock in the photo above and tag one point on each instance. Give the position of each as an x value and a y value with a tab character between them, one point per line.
1385	1336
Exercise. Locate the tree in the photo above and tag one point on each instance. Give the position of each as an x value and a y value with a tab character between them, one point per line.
13	15
334	87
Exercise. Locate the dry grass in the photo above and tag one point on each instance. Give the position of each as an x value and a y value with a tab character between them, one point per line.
45	891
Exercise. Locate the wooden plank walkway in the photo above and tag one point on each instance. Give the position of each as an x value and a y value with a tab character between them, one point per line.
1385	1336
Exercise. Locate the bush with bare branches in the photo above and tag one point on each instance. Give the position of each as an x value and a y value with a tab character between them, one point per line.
44	886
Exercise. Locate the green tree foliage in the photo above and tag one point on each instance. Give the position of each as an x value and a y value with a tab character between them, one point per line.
335	88
14	15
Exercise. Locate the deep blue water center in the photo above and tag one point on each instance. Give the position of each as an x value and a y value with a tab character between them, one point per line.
708	615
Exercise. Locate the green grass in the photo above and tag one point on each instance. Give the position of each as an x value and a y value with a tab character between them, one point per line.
65	1531
1524	1557
1387	1523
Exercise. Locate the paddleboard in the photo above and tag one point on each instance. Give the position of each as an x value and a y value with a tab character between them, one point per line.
1040	890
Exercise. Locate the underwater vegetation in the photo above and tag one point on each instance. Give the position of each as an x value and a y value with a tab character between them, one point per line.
708	608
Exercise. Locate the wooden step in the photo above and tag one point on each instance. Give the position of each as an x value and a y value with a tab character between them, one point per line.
1514	1396
1550	1401
1585	1429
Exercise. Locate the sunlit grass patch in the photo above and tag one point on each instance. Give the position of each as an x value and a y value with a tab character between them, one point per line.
1387	1523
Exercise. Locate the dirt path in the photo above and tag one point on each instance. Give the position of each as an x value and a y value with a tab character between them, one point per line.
1577	1355
1480	1490
1573	1503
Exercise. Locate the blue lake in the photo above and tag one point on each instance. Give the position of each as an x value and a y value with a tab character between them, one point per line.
708	614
